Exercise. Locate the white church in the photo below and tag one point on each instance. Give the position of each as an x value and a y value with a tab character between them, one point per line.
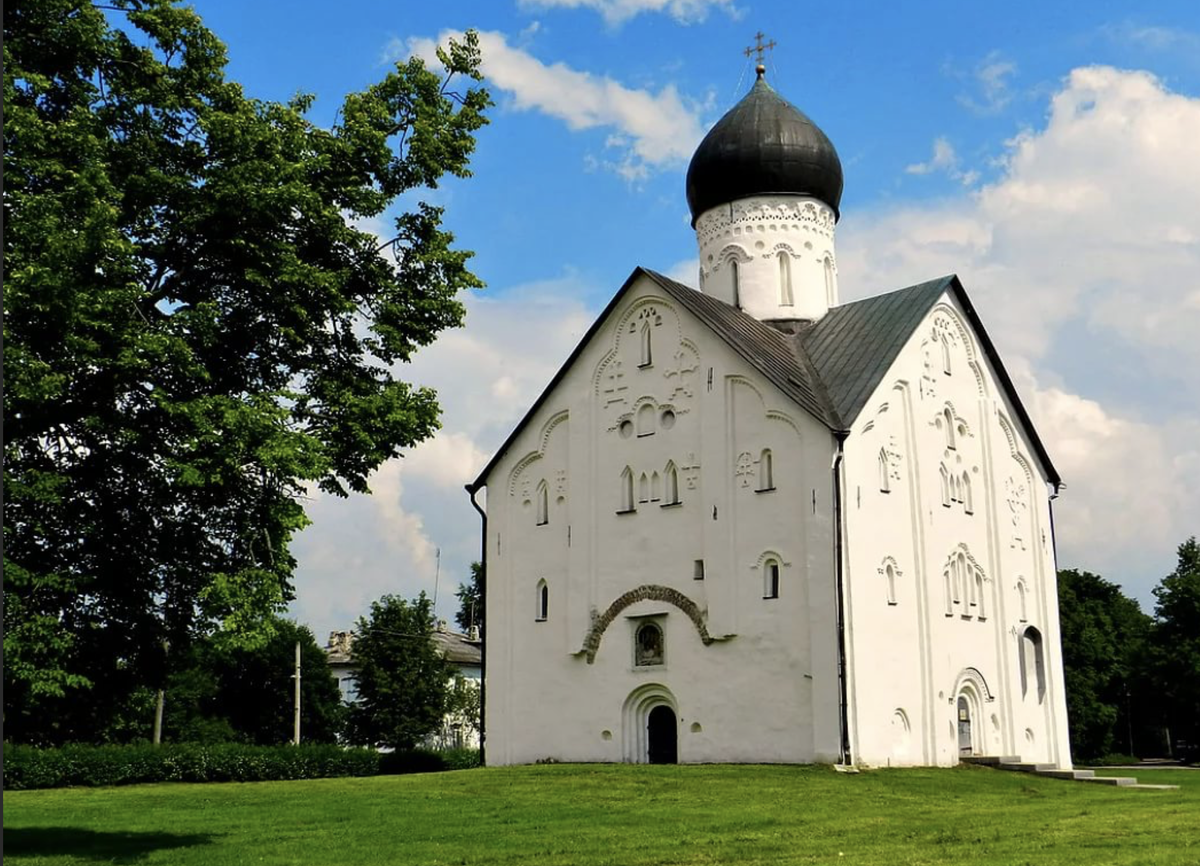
746	522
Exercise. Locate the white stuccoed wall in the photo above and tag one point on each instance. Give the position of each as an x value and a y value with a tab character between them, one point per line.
754	232
909	661
765	688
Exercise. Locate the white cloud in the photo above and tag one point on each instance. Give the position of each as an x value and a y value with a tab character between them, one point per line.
1084	261
944	160
647	130
616	12
989	79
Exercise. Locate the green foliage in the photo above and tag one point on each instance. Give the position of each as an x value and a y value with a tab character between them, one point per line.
401	676
220	693
92	766
1103	641
1177	646
194	334
470	601
464	705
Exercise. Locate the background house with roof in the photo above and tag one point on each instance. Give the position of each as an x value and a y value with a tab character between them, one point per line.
745	522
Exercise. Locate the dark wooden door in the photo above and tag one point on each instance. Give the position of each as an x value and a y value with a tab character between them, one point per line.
663	736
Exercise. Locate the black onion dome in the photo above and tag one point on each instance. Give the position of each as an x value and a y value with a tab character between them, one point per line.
764	145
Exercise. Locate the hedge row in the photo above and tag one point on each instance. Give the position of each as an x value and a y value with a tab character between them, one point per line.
26	767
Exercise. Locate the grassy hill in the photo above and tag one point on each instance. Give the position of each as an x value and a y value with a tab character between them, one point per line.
602	814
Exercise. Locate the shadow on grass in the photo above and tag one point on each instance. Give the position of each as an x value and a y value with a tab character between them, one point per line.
105	847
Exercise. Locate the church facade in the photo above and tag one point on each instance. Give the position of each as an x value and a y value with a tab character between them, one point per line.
747	523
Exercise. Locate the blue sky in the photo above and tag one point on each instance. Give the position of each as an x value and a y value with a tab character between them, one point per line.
1049	153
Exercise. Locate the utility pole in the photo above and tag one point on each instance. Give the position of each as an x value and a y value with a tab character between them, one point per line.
296	720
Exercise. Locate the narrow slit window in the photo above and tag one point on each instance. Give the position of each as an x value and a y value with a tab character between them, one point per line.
963	577
829	298
655	487
698	570
543	504
949	580
543	601
733	270
945	355
980	590
771	579
785	279
644	488
945	485
647	349
1033	663
965	494
766	471
889	574
885	484
1022	593
671	484
627	490
948	420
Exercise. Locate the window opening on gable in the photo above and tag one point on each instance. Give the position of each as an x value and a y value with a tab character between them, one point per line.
1022	593
785	279
648	645
1033	663
770	579
543	504
698	570
766	471
885	484
945	355
671	484
543	601
647	354
627	490
889	574
645	421
737	291
948	420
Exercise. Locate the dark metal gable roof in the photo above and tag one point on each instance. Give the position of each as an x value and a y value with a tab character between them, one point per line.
854	345
829	368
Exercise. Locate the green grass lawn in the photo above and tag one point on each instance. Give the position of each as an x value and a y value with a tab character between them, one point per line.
603	814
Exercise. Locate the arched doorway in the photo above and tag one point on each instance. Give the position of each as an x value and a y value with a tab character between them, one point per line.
965	743
662	736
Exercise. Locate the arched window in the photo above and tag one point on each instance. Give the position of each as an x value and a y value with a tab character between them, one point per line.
829	298
647	356
644	488
648	645
981	612
1022	593
543	601
543	504
945	485
655	488
770	579
949	580
671	482
948	420
627	490
965	494
945	355
885	483
785	279
889	573
737	291
964	577
766	471
645	420
1033	663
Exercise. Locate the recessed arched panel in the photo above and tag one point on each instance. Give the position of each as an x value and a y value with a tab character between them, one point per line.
648	592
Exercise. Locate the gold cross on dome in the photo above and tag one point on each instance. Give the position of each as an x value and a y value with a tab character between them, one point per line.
758	48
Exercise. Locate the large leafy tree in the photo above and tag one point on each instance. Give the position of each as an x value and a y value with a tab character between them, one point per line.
1103	641
401	677
195	333
1177	647
470	600
247	694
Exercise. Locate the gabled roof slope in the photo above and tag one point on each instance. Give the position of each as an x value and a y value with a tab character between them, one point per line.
829	368
854	345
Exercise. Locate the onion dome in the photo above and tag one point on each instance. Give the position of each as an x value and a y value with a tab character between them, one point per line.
764	145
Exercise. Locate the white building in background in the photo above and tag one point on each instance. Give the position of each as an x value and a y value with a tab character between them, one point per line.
748	523
462	651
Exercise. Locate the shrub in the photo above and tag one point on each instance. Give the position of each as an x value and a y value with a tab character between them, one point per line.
27	767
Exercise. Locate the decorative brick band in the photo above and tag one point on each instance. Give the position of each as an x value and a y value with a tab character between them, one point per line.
648	592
